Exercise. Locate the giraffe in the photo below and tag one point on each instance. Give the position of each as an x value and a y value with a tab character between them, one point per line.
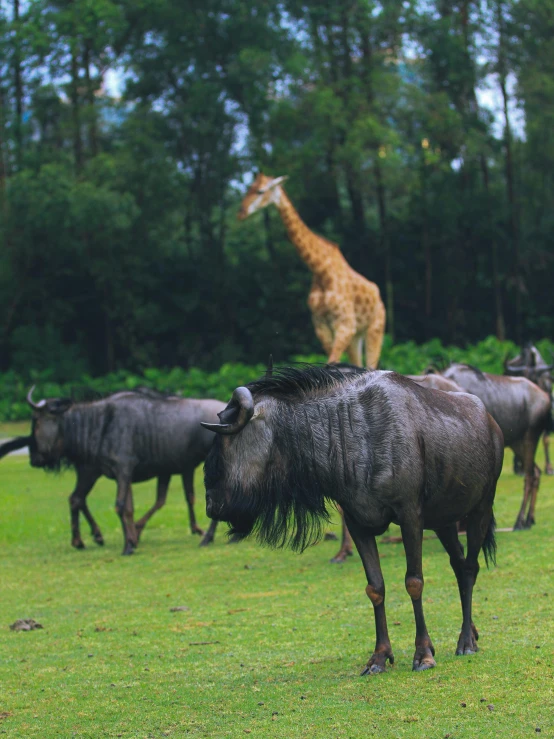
346	309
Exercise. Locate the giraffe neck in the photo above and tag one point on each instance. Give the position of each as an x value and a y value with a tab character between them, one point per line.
309	245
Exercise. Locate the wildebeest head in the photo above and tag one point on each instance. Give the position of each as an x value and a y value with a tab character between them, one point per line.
530	364
46	445
259	473
237	462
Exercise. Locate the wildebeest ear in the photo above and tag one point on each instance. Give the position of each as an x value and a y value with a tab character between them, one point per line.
57	406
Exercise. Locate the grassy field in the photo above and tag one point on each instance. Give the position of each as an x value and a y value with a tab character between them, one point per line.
272	643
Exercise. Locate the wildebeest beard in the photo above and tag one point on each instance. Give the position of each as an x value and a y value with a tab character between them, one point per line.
286	509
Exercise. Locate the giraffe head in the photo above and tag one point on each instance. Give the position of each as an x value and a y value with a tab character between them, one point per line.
263	191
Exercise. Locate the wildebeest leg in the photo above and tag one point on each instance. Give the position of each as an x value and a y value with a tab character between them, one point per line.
467	642
346	544
375	590
412	536
85	482
125	510
94	528
547	466
188	486
530	521
209	535
161	496
526	450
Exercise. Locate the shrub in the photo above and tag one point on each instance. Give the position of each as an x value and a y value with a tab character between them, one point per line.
407	358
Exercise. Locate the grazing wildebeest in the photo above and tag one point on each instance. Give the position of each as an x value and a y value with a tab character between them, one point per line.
522	410
129	436
530	364
383	448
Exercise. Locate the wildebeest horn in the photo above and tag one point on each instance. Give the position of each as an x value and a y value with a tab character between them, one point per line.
269	370
36	406
242	397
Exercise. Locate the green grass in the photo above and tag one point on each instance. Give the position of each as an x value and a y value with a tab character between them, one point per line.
287	635
14	428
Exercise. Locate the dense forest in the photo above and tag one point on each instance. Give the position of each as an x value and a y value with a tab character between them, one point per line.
129	130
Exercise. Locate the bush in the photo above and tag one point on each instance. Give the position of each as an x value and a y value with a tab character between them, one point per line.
407	358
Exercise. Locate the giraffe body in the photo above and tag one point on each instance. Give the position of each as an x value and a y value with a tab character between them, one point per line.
347	310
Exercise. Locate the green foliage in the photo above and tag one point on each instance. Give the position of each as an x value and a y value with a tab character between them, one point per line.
407	358
118	233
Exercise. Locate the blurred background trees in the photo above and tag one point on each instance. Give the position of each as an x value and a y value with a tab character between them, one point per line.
419	136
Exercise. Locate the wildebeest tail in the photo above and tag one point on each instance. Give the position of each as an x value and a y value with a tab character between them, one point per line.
489	545
11	446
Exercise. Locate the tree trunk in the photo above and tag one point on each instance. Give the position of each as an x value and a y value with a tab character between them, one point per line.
18	88
92	128
426	248
512	204
74	94
3	202
385	241
499	311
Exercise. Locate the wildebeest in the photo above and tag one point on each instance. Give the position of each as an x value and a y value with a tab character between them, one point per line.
129	436
522	410
530	364
436	382
383	448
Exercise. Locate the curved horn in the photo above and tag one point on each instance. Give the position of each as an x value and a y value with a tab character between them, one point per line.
35	406
511	368
242	397
269	370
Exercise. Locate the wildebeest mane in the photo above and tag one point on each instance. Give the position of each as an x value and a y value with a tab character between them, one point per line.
480	374
84	394
303	380
280	512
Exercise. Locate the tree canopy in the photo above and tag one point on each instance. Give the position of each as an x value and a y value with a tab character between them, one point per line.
120	246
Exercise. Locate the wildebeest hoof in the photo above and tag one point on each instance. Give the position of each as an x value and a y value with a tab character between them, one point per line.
424	658
372	670
78	544
198	530
99	539
129	549
518	526
206	541
466	650
340	557
425	664
548	470
331	536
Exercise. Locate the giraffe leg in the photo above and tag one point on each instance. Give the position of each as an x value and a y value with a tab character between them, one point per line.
354	352
374	339
323	333
344	333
